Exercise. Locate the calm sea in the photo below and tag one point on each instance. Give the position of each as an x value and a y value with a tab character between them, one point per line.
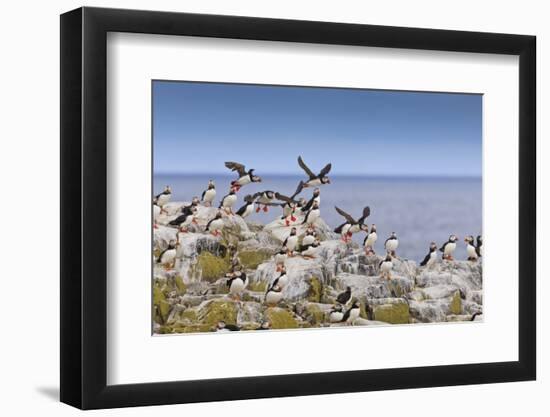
419	210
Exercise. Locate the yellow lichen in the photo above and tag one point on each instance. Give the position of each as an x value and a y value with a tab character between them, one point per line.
280	318
397	313
212	267
315	290
456	304
251	259
219	310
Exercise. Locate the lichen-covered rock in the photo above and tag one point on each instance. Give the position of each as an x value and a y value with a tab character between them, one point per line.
280	318
394	311
250	259
212	267
213	311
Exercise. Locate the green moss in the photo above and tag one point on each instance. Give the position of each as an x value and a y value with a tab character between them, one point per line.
258	286
189	314
315	290
180	285
161	306
316	315
397	313
281	318
251	259
456	304
218	310
212	267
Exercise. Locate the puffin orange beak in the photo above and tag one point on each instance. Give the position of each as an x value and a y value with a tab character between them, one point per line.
194	221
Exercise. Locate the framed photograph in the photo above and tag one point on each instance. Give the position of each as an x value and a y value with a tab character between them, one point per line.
257	208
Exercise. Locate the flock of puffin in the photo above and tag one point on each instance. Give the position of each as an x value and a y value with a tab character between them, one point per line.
296	211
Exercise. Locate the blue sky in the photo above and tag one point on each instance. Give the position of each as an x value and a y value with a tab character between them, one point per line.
198	126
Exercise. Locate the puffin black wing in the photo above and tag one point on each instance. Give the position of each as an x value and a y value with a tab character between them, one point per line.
160	255
325	170
365	240
232	327
339	228
343	297
346	315
221	201
366	213
164	192
309	204
241	211
284	198
298	189
442	248
202	195
235	166
178	220
387	240
426	259
345	215
208	224
308	171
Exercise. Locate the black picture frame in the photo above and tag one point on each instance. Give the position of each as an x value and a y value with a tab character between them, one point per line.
84	207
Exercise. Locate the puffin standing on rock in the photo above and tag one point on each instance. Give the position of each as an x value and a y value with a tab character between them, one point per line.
237	283
310	236
164	197
479	246
291	241
312	215
185	219
215	225
248	208
449	247
431	257
352	313
315	198
168	256
228	202
273	295
280	258
209	194
471	250
308	251
391	244
386	266
315	180
282	279
336	314
245	177
351	225
191	208
370	240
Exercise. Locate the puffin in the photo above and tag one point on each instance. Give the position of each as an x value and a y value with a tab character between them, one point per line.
370	240
215	225
273	295
471	250
315	197
222	326
237	282
300	207
352	313
168	255
185	218
191	208
351	225
264	198
228	201
282	279
315	180
449	247
280	258
245	177
431	257
391	244
385	266
209	194
344	297
308	251
291	241
336	314
164	197
479	246
312	215
157	210
289	204
248	208
310	237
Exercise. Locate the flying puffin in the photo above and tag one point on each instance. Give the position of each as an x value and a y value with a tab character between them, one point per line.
351	315
282	279
222	326
471	250
310	237
479	246
289	204
391	244
385	266
315	180
168	255
291	241
308	251
248	208
237	283
312	215
449	247
191	208
164	197
245	177
344	297
186	218
336	314
431	257
209	194
264	198
215	225
315	197
229	201
351	225
370	240
273	295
